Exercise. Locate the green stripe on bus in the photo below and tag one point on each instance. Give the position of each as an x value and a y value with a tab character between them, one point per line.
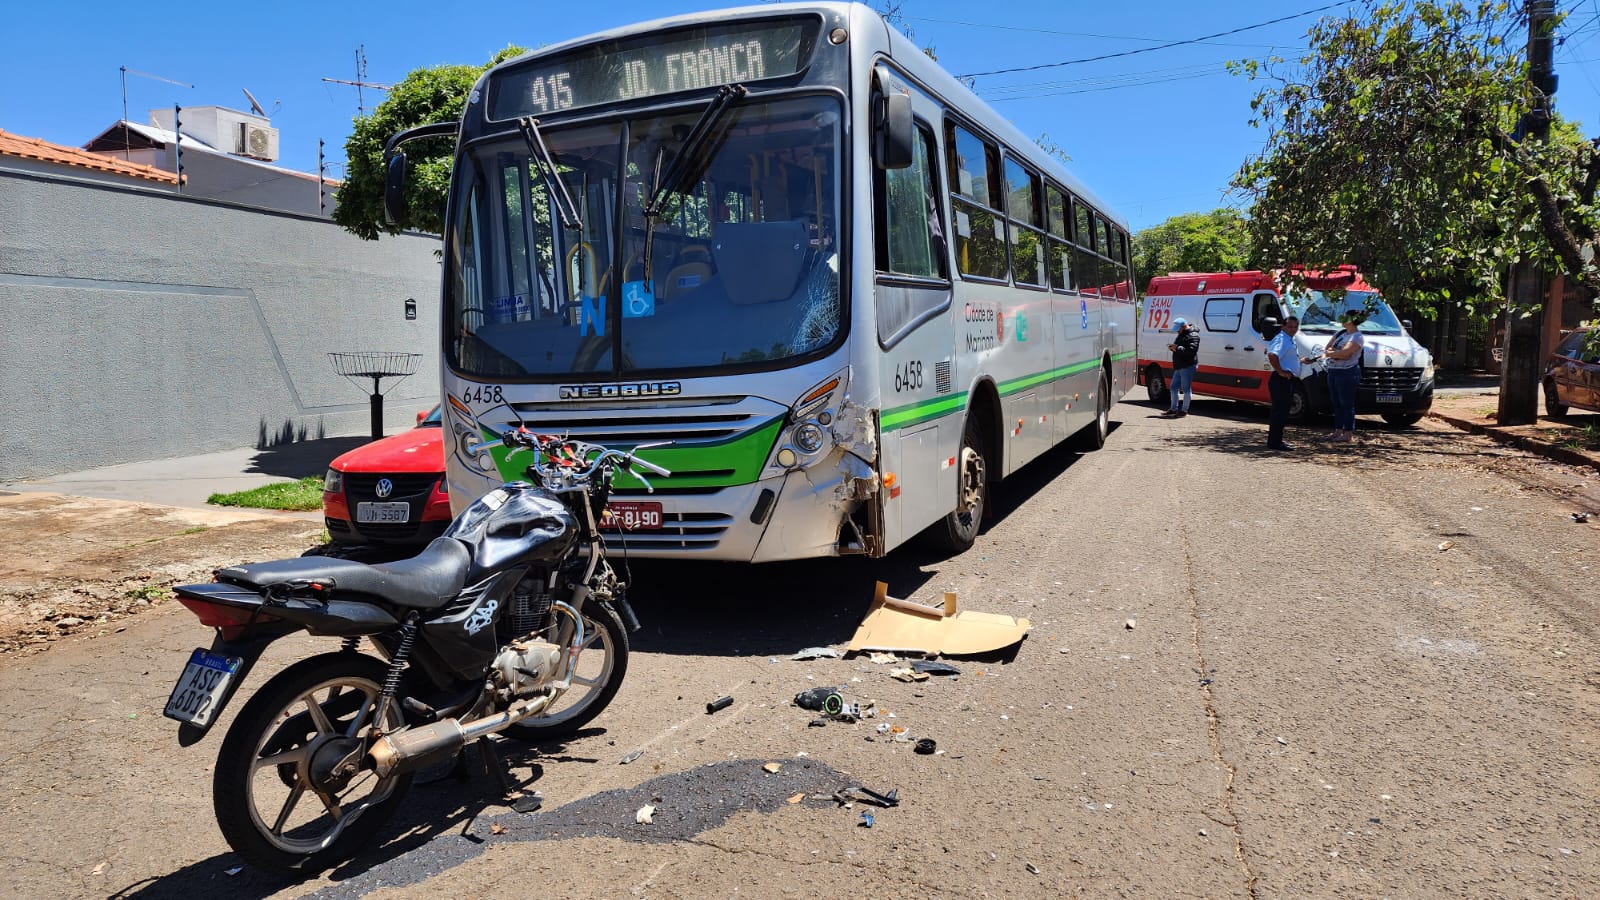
928	410
725	463
917	413
1007	388
1122	356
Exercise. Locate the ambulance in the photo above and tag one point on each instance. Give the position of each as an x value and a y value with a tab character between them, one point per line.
1238	313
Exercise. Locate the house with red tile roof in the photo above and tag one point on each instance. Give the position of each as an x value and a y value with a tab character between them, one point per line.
34	154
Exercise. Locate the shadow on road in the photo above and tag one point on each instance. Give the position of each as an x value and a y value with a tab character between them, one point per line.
302	459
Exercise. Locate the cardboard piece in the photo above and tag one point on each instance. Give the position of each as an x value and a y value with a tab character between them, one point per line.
905	626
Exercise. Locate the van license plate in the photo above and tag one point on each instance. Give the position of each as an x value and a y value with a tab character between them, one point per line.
383	512
1388	398
205	678
636	516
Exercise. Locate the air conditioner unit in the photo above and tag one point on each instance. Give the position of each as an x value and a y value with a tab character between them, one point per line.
257	142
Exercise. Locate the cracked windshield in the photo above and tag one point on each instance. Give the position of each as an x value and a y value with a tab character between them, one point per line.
736	263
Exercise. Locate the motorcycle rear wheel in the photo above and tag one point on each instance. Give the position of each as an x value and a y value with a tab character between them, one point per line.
601	668
280	796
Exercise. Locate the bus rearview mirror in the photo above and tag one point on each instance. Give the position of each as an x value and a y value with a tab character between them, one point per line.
394	189
894	133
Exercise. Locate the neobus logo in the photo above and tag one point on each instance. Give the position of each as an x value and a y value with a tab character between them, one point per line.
621	391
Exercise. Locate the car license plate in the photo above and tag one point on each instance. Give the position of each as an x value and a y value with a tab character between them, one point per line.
383	512
1388	398
205	679
637	516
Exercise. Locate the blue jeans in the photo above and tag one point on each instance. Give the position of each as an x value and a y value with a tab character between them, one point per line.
1342	392
1183	381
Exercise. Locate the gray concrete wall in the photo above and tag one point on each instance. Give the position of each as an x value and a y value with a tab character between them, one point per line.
139	325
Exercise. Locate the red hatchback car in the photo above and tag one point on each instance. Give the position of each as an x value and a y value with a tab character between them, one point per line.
390	491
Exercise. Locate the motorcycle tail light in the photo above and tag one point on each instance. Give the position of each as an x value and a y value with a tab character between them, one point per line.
231	619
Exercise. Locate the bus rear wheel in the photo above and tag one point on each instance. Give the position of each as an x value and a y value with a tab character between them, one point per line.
958	530
1093	436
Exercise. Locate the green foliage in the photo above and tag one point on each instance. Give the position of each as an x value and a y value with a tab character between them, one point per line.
1392	144
1217	241
434	94
302	495
1048	145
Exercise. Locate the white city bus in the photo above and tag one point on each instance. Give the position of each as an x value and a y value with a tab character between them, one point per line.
850	294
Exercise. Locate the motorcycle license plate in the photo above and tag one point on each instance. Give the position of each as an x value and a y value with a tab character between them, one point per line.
205	678
383	512
1388	398
636	516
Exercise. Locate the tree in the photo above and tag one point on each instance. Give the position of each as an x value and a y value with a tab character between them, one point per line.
434	94
1217	241
1397	144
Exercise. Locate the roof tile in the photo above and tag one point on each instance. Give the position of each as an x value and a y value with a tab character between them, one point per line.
44	151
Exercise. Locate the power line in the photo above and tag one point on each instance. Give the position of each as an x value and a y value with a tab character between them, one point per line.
1105	37
1129	82
1165	46
1127	79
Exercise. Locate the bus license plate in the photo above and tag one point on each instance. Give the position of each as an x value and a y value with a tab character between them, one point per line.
1388	398
205	679
637	516
383	512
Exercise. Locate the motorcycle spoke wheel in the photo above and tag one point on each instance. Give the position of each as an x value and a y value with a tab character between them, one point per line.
602	664
290	790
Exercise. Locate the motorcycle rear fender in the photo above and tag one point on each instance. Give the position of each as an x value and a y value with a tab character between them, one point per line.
248	649
335	617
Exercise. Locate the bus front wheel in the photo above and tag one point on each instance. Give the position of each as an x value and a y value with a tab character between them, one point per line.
958	530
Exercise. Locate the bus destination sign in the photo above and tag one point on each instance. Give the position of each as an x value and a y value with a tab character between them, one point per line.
635	68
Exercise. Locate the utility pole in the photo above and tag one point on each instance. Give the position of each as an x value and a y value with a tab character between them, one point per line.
1526	292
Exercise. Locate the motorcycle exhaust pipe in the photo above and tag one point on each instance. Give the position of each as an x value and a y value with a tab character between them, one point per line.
416	748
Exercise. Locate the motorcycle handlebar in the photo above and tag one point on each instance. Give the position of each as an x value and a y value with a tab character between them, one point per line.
549	448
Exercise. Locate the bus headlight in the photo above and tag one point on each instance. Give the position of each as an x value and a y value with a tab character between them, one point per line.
808	438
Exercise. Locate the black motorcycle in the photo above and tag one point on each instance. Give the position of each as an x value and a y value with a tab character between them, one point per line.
512	621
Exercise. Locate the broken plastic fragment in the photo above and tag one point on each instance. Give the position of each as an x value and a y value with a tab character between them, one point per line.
631	757
645	815
772	768
816	653
933	667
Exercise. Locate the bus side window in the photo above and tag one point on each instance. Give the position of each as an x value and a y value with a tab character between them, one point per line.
910	234
979	226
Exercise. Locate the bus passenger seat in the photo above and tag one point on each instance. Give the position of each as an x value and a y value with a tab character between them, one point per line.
683	279
760	262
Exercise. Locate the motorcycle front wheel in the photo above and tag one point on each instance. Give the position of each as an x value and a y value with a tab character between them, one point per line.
601	667
289	790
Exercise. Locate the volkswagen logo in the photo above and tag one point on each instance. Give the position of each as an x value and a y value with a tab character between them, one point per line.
385	487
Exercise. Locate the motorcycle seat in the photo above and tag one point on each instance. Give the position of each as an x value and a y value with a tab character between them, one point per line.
428	580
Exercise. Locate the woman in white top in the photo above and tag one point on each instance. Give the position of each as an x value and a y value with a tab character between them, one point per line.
1343	354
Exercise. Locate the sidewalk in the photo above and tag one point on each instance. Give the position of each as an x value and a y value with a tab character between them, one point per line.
187	481
1573	439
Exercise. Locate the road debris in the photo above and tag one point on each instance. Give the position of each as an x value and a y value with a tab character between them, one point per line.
908	674
883	659
528	803
1283	742
866	820
858	794
816	653
645	815
631	757
1580	517
797	797
934	667
1131	624
496	828
719	703
233	871
1033	869
1446	545
905	626
772	768
926	746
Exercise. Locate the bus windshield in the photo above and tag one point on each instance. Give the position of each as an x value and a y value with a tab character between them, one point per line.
743	257
1320	312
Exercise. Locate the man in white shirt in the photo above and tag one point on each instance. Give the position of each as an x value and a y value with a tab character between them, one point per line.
1284	358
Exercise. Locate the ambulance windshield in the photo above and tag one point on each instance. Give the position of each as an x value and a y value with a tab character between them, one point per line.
1320	312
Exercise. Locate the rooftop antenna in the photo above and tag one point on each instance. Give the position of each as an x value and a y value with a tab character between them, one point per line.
126	154
361	80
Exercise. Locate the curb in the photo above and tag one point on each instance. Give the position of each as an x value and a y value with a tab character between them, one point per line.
1521	442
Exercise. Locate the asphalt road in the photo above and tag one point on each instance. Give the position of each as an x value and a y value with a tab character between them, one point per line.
1351	671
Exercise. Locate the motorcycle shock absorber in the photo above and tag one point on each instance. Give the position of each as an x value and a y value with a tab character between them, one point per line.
397	665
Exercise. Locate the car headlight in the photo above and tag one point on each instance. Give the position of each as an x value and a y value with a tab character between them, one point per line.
1427	372
333	482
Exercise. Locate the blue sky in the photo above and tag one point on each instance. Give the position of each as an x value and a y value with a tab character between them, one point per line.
1155	133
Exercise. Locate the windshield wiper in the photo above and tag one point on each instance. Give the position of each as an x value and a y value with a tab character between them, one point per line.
692	159
565	207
